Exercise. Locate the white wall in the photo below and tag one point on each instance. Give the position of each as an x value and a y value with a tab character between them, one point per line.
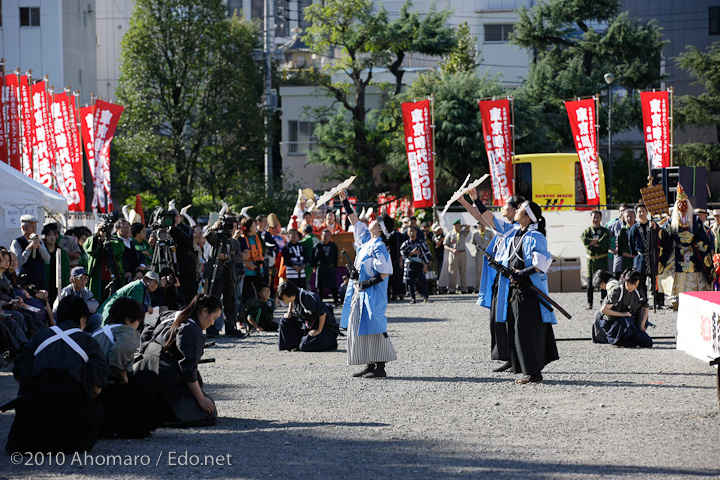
113	20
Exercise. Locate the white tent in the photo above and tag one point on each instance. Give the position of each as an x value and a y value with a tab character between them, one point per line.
20	195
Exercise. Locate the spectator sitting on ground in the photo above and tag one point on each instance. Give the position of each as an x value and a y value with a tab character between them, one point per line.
260	311
343	286
625	313
78	287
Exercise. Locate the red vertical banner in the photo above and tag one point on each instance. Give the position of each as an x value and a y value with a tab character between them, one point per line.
582	122
418	143
44	138
107	117
656	127
75	150
10	91
87	134
28	131
3	120
65	172
495	116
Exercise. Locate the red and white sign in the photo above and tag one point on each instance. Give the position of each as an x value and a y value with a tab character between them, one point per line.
582	122
495	116
656	127
3	122
698	324
418	143
107	117
12	129
28	128
44	136
68	151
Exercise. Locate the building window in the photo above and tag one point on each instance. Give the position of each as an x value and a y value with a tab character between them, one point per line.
497	33
714	15
29	16
301	137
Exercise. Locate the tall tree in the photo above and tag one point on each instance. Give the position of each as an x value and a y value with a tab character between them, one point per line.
573	43
191	89
700	111
351	138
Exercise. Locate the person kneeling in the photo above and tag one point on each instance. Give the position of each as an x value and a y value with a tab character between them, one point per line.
625	313
309	324
61	370
260	311
172	348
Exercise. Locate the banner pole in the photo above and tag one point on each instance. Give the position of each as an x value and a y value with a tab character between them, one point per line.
671	90
512	134
31	156
5	112
78	120
596	97
432	129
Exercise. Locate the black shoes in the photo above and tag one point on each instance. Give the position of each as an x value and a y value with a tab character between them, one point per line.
379	371
505	366
536	378
369	368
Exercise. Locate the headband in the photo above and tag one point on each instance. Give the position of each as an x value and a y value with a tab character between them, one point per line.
383	228
530	213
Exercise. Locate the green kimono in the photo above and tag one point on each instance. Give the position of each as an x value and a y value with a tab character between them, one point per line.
94	248
308	242
135	290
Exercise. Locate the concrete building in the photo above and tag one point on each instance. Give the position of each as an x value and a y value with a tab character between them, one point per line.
52	37
113	20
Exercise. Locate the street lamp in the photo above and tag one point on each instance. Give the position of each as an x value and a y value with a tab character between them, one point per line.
609	78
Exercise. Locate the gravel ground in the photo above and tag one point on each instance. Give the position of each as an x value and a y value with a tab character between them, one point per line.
442	413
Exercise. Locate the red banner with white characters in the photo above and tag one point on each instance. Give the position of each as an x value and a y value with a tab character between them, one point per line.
3	122
87	135
656	127
495	116
582	122
107	117
44	137
12	129
68	158
28	128
418	143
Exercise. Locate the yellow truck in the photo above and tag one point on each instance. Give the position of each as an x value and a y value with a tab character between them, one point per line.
553	180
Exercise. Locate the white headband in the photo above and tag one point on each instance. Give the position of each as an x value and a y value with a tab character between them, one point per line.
383	227
530	213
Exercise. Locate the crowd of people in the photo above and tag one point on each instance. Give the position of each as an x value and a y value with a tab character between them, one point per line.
113	323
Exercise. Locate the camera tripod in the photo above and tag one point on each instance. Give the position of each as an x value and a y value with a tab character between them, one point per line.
164	255
228	263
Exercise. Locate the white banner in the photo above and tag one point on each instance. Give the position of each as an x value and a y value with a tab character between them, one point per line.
698	324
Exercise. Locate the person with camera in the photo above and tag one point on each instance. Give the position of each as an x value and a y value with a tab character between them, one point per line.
104	267
130	258
31	252
221	270
309	324
169	295
182	235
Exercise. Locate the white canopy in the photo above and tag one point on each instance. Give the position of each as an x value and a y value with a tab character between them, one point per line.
19	195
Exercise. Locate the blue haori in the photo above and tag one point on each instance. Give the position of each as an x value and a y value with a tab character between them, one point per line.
535	253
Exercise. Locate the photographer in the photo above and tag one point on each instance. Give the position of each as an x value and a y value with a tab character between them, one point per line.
31	252
103	268
225	253
169	295
182	235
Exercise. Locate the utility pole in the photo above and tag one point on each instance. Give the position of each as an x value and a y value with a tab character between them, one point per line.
270	99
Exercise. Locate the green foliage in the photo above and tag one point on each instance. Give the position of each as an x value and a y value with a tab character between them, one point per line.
702	110
192	125
570	59
632	168
459	144
463	58
352	139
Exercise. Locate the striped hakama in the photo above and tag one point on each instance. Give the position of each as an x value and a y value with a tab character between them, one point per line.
363	349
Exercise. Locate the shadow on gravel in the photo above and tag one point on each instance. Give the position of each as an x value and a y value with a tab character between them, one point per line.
414	320
240	424
621	384
449	379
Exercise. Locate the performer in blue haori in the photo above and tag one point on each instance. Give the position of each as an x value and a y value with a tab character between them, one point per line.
527	318
366	298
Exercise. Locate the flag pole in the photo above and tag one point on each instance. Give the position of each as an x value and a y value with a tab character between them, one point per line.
31	153
596	97
432	131
671	90
4	119
512	133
